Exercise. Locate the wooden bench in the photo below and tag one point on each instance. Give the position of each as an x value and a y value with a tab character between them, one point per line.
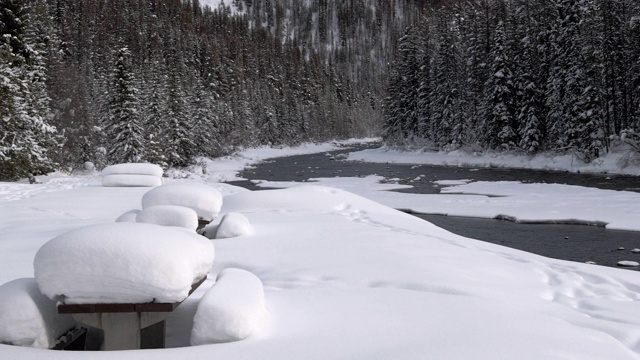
127	326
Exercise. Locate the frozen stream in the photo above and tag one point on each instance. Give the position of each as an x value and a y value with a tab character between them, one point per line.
569	242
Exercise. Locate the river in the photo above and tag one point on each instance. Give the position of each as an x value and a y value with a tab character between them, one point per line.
568	242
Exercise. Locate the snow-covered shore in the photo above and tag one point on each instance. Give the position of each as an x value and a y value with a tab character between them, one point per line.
620	161
348	278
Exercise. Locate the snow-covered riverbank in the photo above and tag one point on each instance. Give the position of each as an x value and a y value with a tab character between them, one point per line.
347	277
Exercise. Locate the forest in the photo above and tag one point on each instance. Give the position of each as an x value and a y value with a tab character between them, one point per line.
521	76
170	81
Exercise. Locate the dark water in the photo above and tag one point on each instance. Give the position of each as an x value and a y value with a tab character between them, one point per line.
568	242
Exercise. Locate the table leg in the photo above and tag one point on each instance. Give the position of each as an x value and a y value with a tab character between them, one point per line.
121	331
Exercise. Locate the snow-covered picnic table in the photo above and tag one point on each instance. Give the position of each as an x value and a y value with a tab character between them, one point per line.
127	326
123	277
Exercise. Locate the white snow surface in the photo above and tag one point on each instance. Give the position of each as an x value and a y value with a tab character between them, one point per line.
526	203
129	216
233	225
615	162
169	215
28	318
227	168
122	263
131	180
204	200
348	278
134	169
230	310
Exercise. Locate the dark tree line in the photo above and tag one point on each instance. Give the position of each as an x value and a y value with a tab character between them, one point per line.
169	81
518	75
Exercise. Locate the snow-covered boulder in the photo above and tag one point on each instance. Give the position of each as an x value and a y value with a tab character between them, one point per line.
132	174
129	216
230	310
28	318
205	200
169	215
232	225
122	263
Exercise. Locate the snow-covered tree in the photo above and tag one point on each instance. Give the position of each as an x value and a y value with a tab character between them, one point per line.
401	120
529	69
123	125
27	139
446	102
500	129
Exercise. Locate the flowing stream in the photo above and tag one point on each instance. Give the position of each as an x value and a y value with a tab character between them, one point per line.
568	242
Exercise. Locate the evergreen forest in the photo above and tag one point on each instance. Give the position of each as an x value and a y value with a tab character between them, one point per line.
169	81
519	75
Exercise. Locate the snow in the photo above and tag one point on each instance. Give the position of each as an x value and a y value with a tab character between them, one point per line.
203	199
346	277
129	180
613	162
132	174
231	310
28	318
122	263
233	225
169	215
526	203
227	168
134	169
628	263
129	216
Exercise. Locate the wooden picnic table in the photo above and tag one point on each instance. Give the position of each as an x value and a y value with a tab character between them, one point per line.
127	326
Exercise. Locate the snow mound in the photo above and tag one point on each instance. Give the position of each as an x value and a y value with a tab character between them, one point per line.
129	180
233	225
133	169
122	263
211	229
129	216
230	310
132	174
28	318
628	263
169	215
205	200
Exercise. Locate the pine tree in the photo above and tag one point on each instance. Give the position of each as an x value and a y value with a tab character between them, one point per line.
401	121
445	99
179	146
123	126
27	139
529	68
500	129
206	132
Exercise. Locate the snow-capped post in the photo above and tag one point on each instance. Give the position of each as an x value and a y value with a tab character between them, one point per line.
230	310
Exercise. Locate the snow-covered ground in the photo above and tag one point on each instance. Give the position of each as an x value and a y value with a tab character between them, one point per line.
348	278
618	161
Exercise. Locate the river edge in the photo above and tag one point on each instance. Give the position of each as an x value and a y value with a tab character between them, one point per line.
561	241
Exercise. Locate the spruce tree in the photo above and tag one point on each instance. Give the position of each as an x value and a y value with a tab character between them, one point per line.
123	125
500	129
27	139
